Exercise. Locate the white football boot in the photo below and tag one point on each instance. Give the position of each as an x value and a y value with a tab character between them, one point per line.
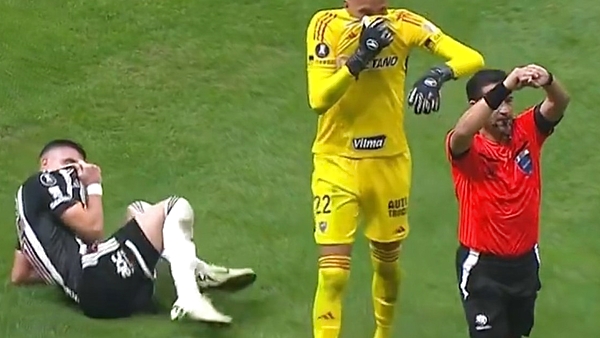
218	277
199	309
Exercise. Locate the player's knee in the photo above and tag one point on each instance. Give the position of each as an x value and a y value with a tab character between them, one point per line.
152	217
179	206
135	208
335	250
385	258
334	279
334	272
151	222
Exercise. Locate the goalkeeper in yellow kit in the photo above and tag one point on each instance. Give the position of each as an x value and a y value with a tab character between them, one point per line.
357	60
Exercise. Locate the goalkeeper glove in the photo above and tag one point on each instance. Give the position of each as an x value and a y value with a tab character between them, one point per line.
374	37
425	95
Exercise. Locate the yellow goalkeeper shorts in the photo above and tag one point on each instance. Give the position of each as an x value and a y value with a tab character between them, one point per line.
377	189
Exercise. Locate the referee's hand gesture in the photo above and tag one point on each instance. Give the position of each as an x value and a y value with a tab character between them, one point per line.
540	76
520	77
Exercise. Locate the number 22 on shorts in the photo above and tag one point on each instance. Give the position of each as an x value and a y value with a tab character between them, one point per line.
322	204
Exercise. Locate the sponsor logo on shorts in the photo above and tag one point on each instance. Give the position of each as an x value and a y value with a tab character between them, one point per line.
482	322
398	207
369	143
123	265
322	226
326	316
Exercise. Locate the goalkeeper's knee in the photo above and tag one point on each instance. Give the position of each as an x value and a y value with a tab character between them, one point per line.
385	263
334	272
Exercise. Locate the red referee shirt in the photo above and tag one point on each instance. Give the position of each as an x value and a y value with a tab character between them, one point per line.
498	188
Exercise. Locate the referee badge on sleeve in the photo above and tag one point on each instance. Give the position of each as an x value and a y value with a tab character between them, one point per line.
525	162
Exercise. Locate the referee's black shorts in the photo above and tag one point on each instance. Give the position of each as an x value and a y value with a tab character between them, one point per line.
498	294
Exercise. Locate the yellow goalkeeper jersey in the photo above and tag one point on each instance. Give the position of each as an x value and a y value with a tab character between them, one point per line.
364	117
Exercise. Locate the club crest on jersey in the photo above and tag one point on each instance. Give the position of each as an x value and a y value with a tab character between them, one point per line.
525	162
322	50
47	180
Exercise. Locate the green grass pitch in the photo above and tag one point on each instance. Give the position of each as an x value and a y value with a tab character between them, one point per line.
207	99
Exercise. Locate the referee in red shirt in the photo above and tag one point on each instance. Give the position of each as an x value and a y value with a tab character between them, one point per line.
495	160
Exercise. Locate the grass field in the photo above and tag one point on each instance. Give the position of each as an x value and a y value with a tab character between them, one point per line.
207	99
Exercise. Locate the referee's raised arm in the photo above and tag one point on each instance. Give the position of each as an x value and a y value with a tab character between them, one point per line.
484	99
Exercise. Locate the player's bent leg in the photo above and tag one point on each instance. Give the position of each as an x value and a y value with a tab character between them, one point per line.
180	251
385	285
151	222
169	226
210	276
334	272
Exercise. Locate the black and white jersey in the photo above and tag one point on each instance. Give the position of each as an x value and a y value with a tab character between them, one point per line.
51	247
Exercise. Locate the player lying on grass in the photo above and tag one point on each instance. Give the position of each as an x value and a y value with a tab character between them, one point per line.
60	224
496	170
357	61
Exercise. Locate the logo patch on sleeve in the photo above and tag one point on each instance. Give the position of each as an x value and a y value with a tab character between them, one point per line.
322	50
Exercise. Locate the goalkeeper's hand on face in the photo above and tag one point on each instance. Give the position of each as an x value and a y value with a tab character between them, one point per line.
374	37
425	95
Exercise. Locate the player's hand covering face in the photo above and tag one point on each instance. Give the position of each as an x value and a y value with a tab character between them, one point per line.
374	37
88	173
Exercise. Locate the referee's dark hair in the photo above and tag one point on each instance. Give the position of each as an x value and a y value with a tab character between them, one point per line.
481	79
58	143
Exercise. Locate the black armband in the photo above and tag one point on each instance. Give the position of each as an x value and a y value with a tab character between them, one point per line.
496	96
543	124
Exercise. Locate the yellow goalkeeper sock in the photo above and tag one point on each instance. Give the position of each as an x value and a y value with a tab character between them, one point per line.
334	272
386	283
